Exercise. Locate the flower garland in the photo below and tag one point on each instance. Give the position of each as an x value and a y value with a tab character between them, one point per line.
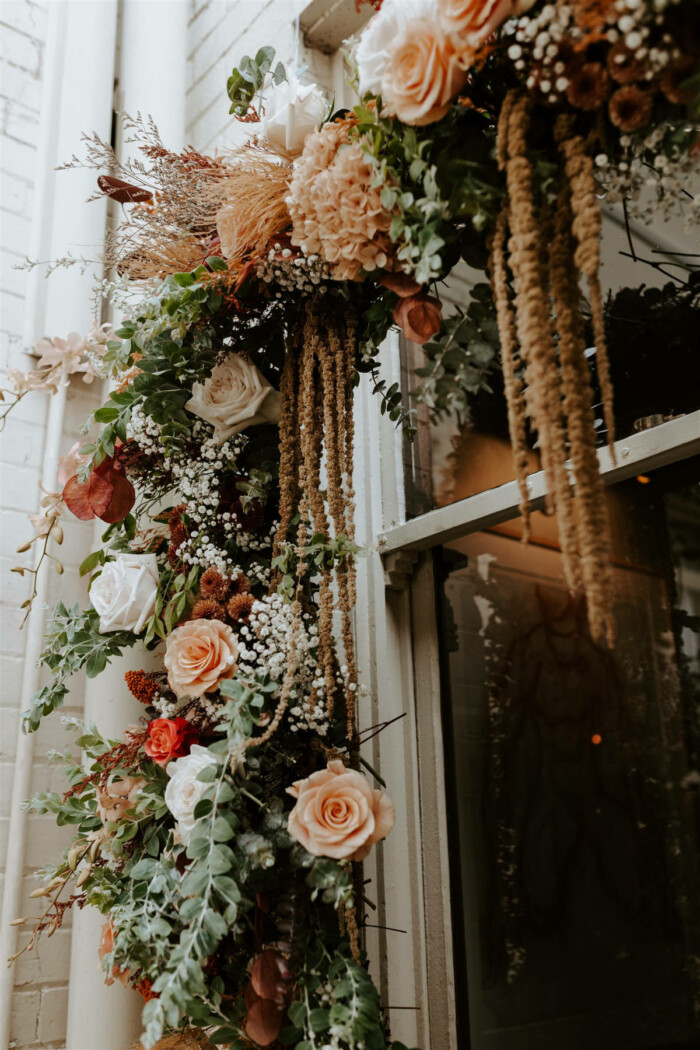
223	836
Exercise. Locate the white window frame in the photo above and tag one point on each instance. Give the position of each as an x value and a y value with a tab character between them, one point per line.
398	648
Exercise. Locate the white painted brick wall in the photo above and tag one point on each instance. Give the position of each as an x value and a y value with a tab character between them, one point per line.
41	991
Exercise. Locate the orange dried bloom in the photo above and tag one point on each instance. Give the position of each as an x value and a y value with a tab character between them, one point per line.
241	584
240	607
208	609
141	685
630	108
214	585
588	86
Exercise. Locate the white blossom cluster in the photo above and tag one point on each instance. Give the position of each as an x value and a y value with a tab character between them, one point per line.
145	432
264	644
652	177
303	273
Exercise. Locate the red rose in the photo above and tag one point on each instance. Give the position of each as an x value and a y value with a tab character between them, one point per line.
169	738
420	316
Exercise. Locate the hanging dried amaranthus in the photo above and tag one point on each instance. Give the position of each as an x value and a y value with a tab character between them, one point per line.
543	347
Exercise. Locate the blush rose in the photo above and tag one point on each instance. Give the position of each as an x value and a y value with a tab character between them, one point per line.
169	738
235	396
198	655
423	74
338	815
471	22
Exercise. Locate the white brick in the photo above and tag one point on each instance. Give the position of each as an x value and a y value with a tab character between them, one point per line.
25	1017
23	443
54	1011
20	47
49	960
19	83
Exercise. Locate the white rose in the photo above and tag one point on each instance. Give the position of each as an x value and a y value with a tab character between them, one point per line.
124	594
235	396
293	111
184	791
379	36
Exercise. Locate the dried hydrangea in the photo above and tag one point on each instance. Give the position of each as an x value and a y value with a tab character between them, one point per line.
335	207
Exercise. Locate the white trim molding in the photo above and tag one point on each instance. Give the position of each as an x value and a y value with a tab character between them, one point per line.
636	454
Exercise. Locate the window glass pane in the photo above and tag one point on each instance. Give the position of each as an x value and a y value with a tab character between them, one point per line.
573	778
654	354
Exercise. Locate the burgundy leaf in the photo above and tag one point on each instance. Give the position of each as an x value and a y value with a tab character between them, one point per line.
87	499
124	192
264	1022
122	499
401	284
269	975
420	317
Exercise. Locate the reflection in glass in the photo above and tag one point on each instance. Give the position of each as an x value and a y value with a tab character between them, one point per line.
575	777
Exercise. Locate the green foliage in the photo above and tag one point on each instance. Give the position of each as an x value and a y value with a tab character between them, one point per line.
319	553
460	358
175	598
72	641
248	79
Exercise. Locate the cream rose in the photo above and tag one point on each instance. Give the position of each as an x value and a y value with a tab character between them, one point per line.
198	655
124	594
470	22
293	111
380	35
423	74
235	396
337	813
184	791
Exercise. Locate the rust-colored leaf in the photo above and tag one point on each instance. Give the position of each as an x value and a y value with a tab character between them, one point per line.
401	284
87	499
124	192
269	975
264	1022
122	499
420	317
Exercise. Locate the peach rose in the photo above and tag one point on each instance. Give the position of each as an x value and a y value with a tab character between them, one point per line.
423	74
116	799
470	22
198	655
337	813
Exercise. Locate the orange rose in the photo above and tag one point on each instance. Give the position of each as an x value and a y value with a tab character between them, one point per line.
169	738
198	655
470	22
116	799
419	316
337	813
423	74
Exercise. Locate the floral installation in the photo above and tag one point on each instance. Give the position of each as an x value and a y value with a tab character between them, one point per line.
223	836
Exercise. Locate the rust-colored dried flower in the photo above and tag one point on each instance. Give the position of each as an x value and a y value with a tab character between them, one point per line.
630	108
252	517
588	87
208	609
240	607
336	210
623	64
174	559
142	685
241	584
214	585
671	79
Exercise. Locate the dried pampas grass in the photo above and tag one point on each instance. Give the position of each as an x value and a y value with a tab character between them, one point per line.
254	208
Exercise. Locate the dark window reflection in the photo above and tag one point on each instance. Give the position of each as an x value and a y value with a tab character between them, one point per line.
575	775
